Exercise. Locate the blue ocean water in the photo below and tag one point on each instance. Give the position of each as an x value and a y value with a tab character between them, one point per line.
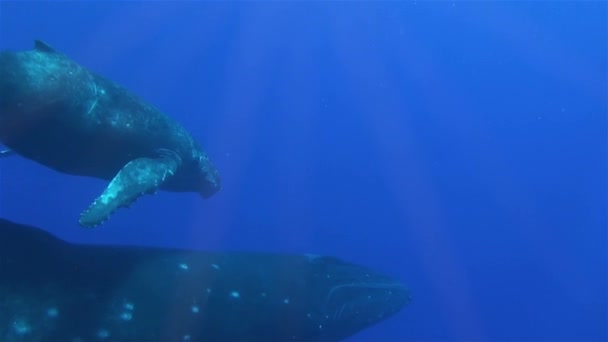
460	146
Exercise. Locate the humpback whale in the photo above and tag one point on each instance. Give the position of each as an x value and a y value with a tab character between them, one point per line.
61	115
54	290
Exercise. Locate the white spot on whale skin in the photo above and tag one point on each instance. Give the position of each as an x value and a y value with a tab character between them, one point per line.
21	327
195	309
235	294
215	266
311	257
286	301
186	338
102	334
126	316
129	306
184	266
110	193
52	312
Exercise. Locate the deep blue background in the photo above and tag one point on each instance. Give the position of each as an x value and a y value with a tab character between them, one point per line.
458	146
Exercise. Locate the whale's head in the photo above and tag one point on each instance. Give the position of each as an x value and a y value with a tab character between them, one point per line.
210	182
349	298
197	175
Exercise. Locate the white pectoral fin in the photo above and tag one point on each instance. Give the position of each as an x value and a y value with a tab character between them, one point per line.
138	177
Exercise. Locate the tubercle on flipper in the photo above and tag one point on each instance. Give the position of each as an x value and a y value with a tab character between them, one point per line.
106	217
138	177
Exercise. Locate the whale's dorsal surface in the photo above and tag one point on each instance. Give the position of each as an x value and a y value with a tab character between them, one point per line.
58	113
6	153
44	47
52	290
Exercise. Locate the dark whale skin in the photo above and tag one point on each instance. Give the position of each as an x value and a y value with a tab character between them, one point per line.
65	117
52	290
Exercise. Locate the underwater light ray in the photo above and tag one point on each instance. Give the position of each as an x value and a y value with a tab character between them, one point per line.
393	132
504	181
507	187
244	89
103	47
542	48
300	98
186	48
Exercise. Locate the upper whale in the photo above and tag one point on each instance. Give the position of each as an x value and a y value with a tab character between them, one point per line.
60	114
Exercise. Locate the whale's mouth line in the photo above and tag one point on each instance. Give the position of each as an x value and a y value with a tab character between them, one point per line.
393	285
385	296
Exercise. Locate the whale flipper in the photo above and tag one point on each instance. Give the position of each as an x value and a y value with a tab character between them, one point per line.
138	177
61	115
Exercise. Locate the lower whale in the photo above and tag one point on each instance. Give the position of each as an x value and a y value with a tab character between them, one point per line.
52	290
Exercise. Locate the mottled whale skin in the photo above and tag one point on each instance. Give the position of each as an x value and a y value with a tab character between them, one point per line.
52	290
61	115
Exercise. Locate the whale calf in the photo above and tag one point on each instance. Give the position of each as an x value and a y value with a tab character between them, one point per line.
52	290
61	115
